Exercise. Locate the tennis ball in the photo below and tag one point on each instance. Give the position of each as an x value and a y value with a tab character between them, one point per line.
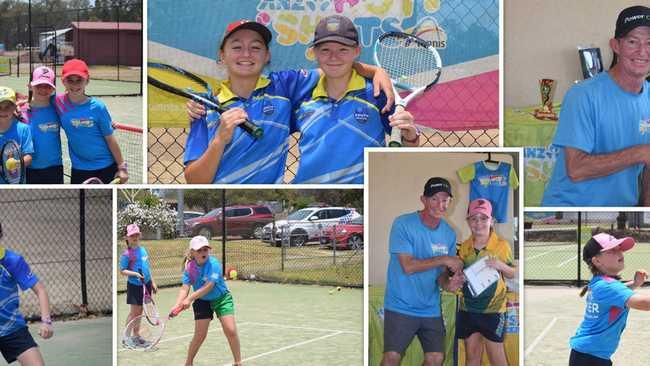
233	274
338	288
11	164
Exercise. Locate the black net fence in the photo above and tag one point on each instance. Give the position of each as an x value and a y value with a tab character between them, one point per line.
66	238
553	244
263	241
108	36
166	146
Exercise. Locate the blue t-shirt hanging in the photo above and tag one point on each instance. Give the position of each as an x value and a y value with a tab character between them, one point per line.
491	182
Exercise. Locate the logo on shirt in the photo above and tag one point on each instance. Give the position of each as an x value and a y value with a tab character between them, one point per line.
48	127
439	249
82	122
592	308
644	126
493	180
361	115
268	109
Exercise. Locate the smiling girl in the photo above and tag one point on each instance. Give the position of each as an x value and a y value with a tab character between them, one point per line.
204	274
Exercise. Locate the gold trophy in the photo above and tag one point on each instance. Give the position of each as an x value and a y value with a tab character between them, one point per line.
546	89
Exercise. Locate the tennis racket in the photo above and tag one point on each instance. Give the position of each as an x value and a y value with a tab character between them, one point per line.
95	180
13	164
412	63
141	335
150	309
183	83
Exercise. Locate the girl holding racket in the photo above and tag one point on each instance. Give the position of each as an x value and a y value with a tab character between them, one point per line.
10	129
203	273
93	149
134	263
16	343
608	301
43	121
217	151
481	319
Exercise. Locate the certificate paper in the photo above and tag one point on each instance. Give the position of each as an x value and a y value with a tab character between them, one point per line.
479	276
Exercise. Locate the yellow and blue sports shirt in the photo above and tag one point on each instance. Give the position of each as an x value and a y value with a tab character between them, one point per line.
493	299
246	159
334	132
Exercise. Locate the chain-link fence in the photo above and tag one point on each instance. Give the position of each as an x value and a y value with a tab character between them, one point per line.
108	38
261	244
553	243
65	237
167	145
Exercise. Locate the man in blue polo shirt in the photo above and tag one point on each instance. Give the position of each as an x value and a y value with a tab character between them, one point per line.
16	343
422	249
341	116
604	129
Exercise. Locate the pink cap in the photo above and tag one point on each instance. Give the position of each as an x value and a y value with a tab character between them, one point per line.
481	206
199	242
43	75
608	242
132	229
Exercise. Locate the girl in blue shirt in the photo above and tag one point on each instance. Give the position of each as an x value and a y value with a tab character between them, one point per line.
134	263
16	343
43	121
11	129
608	301
204	274
94	151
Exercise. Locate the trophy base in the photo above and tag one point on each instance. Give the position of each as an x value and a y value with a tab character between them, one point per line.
539	114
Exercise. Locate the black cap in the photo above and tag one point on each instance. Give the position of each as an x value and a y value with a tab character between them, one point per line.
336	28
630	18
247	24
435	185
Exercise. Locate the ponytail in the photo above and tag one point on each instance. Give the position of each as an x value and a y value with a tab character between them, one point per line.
189	265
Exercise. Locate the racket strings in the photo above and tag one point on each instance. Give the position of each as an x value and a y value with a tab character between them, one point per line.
179	80
408	61
141	334
12	163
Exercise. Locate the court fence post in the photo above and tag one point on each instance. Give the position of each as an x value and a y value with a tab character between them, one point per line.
82	245
579	281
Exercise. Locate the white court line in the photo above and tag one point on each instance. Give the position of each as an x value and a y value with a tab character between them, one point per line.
567	261
305	328
165	340
545	253
539	338
287	347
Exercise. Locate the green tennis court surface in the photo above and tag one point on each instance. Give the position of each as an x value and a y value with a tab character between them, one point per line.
558	261
552	315
277	324
77	342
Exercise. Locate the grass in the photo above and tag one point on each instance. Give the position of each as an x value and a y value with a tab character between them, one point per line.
308	264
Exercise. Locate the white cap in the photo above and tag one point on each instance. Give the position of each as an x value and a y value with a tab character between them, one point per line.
199	242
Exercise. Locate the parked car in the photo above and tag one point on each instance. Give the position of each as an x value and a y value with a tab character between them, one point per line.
246	221
305	225
345	235
187	215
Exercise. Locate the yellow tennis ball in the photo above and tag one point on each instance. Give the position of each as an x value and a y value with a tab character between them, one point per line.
11	164
233	274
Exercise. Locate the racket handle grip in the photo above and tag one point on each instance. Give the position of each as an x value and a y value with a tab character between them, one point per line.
175	311
252	129
395	137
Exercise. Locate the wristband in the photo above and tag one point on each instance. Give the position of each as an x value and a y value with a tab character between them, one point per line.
47	321
124	166
417	136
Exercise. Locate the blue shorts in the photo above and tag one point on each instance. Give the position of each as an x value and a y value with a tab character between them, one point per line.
14	344
134	293
49	175
399	330
490	325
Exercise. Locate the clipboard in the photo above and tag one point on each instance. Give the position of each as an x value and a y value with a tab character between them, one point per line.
480	276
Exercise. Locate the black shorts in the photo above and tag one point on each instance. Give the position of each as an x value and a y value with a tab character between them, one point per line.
490	325
49	175
399	330
134	293
14	344
583	359
106	175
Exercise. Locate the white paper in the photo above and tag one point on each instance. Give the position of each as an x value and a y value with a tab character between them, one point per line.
480	276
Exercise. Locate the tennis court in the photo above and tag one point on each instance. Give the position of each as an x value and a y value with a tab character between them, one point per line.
77	342
278	324
552	315
126	110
